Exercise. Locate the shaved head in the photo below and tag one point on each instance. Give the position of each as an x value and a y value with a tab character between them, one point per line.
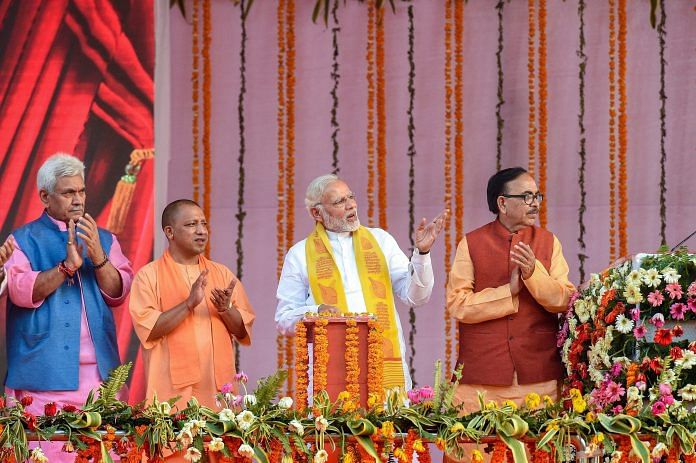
169	213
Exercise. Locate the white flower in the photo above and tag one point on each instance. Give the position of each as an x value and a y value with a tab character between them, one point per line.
193	454
37	456
165	407
659	450
246	451
296	427
652	278
670	275
321	456
634	279
633	394
688	392
624	325
687	361
581	310
245	420
216	445
632	294
321	423
226	415
249	400
196	426
285	403
185	436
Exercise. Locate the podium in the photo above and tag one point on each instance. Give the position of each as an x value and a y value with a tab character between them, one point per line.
345	351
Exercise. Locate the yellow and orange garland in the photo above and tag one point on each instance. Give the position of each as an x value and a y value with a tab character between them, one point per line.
623	142
195	95
543	114
370	56
531	166
280	215
458	130
375	361
448	171
207	110
352	360
321	355
301	366
612	130
381	121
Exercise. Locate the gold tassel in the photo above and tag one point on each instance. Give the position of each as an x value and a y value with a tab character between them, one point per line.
125	188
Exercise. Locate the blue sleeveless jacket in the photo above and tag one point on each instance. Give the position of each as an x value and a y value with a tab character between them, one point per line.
43	344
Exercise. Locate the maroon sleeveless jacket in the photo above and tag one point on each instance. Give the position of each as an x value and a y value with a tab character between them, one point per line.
524	342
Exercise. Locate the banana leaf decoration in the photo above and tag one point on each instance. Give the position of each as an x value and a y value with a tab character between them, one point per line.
509	426
628	426
687	440
362	430
559	431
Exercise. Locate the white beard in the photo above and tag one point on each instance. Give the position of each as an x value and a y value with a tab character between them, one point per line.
338	225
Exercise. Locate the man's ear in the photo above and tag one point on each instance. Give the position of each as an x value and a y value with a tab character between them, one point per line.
43	196
168	232
315	213
501	203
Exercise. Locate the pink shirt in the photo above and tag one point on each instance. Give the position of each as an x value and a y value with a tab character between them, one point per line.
20	286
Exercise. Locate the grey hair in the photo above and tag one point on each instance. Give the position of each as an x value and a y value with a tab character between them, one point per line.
316	189
56	166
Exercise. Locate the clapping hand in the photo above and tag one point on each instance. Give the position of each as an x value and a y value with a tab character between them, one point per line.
424	235
89	233
523	256
73	251
222	298
5	252
197	293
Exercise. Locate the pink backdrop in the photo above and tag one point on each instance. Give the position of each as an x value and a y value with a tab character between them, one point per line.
313	131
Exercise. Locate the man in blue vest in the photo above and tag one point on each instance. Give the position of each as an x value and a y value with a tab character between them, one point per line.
63	279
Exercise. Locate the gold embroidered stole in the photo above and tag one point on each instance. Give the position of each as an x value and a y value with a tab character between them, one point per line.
327	288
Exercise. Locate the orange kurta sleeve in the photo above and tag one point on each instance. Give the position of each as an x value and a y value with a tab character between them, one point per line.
468	306
144	304
551	288
241	301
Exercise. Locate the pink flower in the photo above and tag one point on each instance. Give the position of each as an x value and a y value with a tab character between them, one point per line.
641	385
615	369
665	389
691	291
414	396
658	408
667	399
658	320
639	331
426	393
656	298
635	314
692	304
677	311
241	377
614	391
674	290
226	388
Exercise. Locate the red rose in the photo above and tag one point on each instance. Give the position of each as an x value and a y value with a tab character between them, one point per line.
655	365
677	331
69	408
663	337
30	420
50	409
2	402
676	353
26	400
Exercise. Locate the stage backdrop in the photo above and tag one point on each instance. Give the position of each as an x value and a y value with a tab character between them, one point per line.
77	76
212	146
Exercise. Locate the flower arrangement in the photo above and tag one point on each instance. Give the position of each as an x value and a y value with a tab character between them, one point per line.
628	346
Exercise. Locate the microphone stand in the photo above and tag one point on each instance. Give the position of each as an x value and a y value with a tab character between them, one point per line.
683	241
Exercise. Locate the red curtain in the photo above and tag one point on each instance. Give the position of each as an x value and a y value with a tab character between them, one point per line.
77	76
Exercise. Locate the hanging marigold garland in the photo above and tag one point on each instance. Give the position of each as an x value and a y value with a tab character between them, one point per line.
370	56
280	185
500	122
531	82
351	355
458	128
241	213
195	91
448	171
381	120
623	142
207	110
543	114
335	76
662	36
612	130
301	366
321	355
411	153
582	67
290	158
375	361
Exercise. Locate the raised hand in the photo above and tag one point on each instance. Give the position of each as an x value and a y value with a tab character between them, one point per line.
197	293
523	256
89	233
424	235
222	298
73	251
5	253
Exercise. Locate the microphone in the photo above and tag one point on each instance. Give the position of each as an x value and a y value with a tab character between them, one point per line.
683	241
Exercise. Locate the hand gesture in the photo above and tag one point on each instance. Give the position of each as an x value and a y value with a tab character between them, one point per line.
325	308
222	298
523	256
197	293
515	283
5	252
89	233
73	251
424	235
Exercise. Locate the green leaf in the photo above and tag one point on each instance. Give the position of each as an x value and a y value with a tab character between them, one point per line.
261	455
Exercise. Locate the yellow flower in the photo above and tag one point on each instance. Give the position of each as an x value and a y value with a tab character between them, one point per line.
548	401
287	458
511	404
348	406
344	395
457	427
388	429
491	405
418	446
600	437
347	458
579	405
575	393
440	443
590	417
552	427
399	454
476	456
532	400
372	400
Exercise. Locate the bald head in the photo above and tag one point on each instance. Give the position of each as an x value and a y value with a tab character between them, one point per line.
170	212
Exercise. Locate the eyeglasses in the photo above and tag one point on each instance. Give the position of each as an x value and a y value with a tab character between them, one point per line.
527	197
341	202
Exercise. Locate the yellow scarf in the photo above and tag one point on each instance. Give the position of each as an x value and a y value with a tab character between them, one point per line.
327	288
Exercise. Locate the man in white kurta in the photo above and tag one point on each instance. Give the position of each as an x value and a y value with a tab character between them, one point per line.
331	203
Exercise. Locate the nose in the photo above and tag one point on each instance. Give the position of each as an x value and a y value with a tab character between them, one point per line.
351	203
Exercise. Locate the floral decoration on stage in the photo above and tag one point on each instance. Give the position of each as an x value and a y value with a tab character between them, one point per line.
629	343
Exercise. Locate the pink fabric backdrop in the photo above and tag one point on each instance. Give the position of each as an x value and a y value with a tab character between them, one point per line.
480	41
